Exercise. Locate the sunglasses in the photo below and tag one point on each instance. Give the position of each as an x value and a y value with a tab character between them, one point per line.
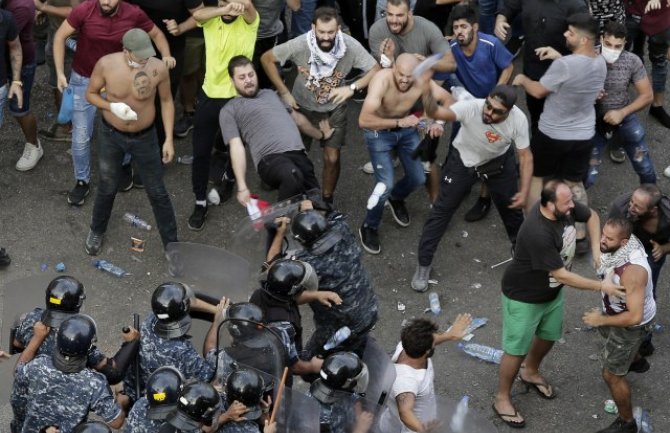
496	111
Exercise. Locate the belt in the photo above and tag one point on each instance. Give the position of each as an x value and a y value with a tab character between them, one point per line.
126	133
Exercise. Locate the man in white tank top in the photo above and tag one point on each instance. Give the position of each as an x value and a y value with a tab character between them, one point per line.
623	322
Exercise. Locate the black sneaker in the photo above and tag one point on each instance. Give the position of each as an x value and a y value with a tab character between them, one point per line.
618	155
5	260
660	114
126	178
183	125
399	212
479	210
93	243
137	180
197	219
226	190
77	195
621	426
369	239
639	366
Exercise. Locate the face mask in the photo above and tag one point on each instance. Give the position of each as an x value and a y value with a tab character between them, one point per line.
609	54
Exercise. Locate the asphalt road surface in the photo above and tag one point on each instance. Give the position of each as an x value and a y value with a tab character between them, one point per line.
37	227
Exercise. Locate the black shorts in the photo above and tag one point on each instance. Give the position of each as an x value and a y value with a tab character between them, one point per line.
562	159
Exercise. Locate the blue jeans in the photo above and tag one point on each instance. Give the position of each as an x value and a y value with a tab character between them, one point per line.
635	146
83	115
658	48
3	100
487	15
143	146
380	144
301	20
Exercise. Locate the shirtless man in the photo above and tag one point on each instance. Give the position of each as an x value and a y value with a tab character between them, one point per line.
389	123
130	79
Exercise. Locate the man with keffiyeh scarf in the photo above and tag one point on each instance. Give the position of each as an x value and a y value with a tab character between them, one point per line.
324	56
623	322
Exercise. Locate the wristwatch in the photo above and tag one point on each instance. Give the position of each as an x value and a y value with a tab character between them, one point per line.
353	87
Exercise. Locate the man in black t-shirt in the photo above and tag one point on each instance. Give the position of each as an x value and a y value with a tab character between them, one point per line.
532	296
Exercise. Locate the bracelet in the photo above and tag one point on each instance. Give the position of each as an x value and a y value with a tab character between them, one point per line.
18	83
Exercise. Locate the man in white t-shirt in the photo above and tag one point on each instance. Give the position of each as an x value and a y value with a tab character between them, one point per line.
482	149
413	385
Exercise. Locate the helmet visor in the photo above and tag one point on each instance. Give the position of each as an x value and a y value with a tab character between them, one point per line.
174	329
310	281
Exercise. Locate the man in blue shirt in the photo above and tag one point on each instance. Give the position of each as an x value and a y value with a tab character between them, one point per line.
482	62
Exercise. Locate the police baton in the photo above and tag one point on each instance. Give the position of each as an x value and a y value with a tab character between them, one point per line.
136	325
280	393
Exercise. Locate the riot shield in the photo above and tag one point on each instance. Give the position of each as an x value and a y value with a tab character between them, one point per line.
19	297
254	234
209	270
381	372
243	343
438	412
348	412
297	413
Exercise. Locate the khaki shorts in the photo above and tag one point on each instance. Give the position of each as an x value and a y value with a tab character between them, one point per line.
621	346
337	119
522	321
194	55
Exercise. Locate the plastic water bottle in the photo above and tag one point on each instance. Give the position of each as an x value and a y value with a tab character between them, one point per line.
460	94
380	189
434	301
71	43
643	420
338	338
476	323
110	267
458	419
486	353
185	159
136	221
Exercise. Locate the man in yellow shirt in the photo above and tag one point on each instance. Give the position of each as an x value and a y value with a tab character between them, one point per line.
229	30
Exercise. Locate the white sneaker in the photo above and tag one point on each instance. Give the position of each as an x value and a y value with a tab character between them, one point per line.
31	156
666	172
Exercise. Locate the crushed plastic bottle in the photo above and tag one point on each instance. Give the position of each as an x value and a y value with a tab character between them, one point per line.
485	353
71	43
476	323
434	301
379	190
185	159
643	420
106	266
458	419
136	221
338	338
658	328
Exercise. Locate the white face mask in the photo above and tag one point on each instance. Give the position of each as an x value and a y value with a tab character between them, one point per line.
610	55
135	65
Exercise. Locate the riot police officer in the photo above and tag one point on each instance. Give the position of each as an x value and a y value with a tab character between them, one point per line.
59	389
164	340
92	427
343	378
277	298
149	412
330	246
197	406
245	386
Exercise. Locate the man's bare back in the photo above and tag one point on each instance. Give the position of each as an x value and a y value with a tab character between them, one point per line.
134	87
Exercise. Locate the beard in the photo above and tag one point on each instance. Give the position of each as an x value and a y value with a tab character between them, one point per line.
228	18
466	40
570	46
403	26
109	12
325	45
561	216
248	92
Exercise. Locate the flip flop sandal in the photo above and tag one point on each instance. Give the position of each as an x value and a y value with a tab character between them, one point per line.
509	422
536	386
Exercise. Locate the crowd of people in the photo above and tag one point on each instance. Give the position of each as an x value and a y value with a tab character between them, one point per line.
248	80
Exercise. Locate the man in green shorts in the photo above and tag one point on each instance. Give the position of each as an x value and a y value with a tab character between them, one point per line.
532	298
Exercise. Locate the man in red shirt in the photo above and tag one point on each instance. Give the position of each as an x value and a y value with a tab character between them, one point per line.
100	25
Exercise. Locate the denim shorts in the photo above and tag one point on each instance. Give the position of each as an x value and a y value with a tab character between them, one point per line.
27	77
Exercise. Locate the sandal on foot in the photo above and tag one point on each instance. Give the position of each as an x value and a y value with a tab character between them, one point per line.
509	422
549	395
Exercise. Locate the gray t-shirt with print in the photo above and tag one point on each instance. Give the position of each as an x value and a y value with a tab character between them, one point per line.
425	38
312	97
574	82
628	69
264	124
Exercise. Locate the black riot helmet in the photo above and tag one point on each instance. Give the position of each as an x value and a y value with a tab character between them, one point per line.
197	404
163	388
171	304
243	318
246	386
74	339
308	226
287	278
64	297
92	427
341	371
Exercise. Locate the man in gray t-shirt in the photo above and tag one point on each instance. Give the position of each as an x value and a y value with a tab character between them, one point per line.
562	145
324	56
259	119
